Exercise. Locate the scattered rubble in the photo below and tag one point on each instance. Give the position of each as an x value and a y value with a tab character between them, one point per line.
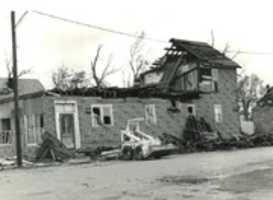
54	149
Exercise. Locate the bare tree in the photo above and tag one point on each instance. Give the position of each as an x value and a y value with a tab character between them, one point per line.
65	79
227	47
249	89
61	78
100	78
8	65
138	62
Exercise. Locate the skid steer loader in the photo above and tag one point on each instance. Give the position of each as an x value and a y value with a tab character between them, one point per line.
137	145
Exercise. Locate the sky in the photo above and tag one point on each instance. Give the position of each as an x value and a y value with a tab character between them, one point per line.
44	44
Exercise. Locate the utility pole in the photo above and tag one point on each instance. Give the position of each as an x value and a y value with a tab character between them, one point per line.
15	90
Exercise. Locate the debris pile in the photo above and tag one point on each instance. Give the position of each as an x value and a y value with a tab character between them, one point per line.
199	136
10	163
54	149
140	92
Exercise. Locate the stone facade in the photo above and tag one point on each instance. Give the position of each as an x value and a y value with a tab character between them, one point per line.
225	96
128	108
263	118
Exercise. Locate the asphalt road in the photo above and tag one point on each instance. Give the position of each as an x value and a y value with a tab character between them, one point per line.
240	175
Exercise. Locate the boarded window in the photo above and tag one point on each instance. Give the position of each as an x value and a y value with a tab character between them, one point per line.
150	114
33	125
218	113
101	114
30	129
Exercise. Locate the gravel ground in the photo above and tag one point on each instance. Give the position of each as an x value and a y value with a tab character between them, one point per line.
242	174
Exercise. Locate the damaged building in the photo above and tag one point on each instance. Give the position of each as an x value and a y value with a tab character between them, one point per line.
192	78
262	113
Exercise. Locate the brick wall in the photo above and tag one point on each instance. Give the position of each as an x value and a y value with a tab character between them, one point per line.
227	98
169	122
263	119
123	109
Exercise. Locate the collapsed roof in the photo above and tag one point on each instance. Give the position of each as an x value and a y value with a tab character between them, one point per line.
203	52
182	51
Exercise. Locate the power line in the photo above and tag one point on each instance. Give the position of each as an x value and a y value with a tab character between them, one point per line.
252	52
132	35
96	27
21	18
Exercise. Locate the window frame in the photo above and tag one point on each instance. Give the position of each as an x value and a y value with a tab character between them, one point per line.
193	110
10	132
101	106
154	121
218	111
30	127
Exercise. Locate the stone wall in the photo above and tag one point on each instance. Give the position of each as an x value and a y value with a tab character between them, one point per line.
263	119
226	97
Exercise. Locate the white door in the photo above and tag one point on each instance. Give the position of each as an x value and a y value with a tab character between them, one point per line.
67	123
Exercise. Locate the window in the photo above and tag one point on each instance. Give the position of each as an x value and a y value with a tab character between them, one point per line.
6	133
209	79
150	114
218	113
102	115
191	109
33	128
41	121
29	126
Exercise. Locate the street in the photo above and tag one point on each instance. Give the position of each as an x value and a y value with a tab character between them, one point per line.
241	174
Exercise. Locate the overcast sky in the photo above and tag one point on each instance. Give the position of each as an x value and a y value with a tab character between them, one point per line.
45	43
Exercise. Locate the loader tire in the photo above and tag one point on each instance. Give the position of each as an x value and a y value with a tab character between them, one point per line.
138	154
127	153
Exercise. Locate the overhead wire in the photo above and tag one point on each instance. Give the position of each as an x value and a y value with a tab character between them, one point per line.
101	28
122	33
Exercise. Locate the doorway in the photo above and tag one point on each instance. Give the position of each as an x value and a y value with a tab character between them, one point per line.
67	129
67	124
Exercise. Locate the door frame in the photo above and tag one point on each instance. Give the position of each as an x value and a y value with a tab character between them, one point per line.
77	135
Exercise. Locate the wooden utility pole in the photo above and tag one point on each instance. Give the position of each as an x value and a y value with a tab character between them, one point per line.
15	90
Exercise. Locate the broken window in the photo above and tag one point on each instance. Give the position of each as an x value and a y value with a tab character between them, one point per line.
150	114
218	113
191	109
208	79
101	115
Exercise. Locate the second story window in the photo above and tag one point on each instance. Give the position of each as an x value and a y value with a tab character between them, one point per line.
209	79
102	114
205	75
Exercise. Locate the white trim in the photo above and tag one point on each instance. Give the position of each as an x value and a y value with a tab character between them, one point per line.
76	121
30	120
218	110
101	106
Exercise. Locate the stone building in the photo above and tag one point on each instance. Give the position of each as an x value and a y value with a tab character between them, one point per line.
192	78
263	113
